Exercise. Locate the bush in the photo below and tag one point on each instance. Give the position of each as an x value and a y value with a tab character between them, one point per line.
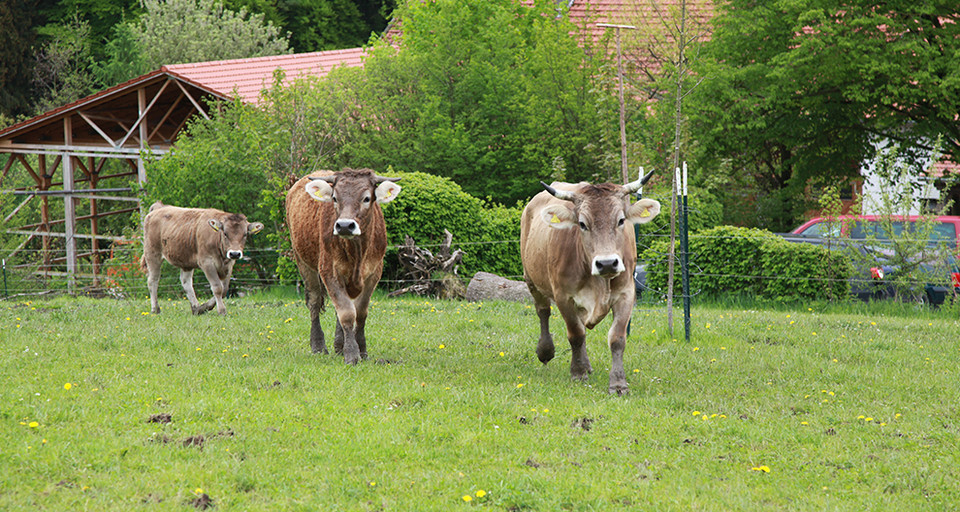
728	259
488	234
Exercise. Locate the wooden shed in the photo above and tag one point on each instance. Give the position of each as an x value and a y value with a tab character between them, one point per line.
64	151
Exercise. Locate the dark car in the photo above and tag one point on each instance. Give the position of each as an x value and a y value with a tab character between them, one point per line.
877	268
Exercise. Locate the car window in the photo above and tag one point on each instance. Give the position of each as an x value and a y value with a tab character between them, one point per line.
822	230
874	229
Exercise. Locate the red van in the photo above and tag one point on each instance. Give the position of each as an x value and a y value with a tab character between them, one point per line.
946	228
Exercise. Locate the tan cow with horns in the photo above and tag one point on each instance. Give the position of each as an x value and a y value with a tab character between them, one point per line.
191	238
339	239
578	250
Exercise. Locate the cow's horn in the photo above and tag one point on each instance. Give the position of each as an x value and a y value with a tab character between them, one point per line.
381	179
559	194
635	185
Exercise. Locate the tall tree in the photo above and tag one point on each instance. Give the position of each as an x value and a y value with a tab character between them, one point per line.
490	94
17	37
798	90
178	31
62	71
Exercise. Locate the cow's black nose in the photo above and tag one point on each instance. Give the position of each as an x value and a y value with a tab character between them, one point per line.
606	265
234	255
347	227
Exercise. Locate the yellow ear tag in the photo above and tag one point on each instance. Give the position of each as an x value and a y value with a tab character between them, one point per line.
645	212
555	219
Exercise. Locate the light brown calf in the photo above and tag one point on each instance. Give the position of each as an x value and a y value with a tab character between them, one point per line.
339	239
192	238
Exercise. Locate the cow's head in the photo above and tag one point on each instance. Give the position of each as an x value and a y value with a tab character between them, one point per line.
352	192
601	213
233	230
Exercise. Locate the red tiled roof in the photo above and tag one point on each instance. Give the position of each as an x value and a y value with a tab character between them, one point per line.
247	77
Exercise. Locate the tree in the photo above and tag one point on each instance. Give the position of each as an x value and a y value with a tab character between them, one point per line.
488	94
17	36
796	91
62	71
178	31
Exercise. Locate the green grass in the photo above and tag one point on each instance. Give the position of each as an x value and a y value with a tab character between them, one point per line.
848	410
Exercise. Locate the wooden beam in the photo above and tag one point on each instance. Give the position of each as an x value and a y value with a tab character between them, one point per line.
63	235
69	207
96	128
164	118
141	121
6	168
189	97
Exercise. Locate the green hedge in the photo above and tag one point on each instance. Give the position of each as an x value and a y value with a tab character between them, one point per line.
732	260
488	234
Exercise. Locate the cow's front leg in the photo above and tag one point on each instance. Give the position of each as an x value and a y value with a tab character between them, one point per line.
338	338
347	320
617	339
218	288
545	348
186	282
317	343
580	368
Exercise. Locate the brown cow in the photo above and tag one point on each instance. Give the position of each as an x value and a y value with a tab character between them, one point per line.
339	239
192	238
576	244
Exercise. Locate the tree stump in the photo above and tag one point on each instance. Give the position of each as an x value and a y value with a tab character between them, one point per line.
432	274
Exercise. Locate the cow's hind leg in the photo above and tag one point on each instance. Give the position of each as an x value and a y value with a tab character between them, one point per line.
153	281
338	338
580	368
545	348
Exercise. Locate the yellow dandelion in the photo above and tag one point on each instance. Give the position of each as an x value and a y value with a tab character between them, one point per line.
67	386
695	349
33	424
467	498
804	423
764	469
501	354
520	385
481	493
373	484
868	418
696	413
441	346
198	491
636	370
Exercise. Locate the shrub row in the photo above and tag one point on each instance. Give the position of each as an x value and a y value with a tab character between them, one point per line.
732	260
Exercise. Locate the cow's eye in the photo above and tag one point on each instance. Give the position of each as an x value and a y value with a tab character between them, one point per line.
620	222
366	199
583	226
334	199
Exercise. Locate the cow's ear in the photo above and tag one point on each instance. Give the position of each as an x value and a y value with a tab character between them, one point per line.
215	224
319	190
254	228
643	211
387	191
558	216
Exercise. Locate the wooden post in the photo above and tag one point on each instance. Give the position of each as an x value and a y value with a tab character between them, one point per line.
94	176
70	213
623	113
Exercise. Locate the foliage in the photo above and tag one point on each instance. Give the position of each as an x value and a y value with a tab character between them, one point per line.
798	91
795	272
17	38
62	72
217	163
178	31
488	94
733	260
912	250
488	234
123	59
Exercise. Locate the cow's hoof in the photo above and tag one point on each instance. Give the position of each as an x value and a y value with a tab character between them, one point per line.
580	376
618	389
351	360
545	352
155	311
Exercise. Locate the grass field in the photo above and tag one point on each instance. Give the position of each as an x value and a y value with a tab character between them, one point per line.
106	407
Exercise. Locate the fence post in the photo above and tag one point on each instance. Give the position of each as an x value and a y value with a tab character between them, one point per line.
685	255
5	294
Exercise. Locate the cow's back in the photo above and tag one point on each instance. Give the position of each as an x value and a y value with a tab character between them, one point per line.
179	234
